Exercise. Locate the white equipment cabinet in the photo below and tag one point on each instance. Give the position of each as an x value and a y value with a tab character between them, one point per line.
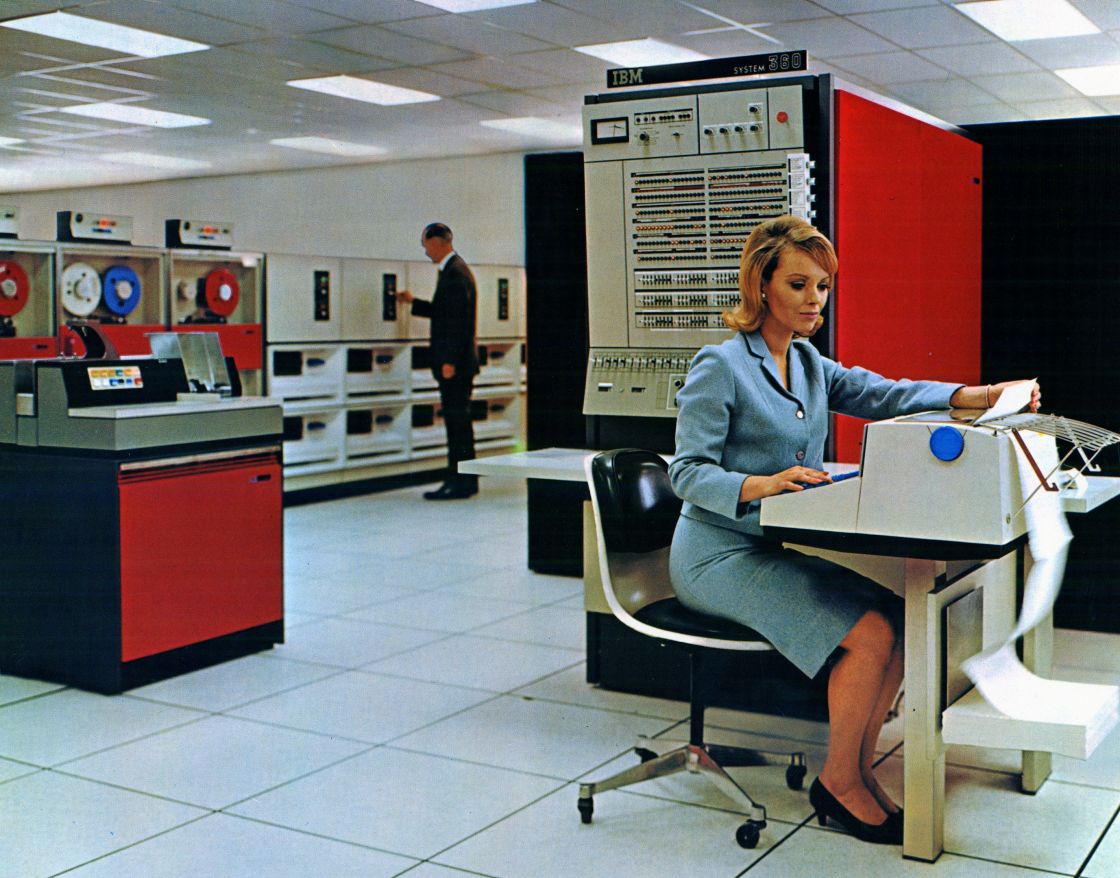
352	367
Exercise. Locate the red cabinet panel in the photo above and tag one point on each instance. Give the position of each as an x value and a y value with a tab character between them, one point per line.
908	213
201	551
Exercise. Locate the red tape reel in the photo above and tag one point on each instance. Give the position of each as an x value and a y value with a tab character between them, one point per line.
222	292
13	288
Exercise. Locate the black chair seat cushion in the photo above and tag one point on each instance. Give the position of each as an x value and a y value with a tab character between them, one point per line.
671	615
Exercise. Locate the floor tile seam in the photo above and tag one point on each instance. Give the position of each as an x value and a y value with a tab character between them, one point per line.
248	818
477	763
389	742
1100	840
513	615
432	857
334	736
459	870
367	749
202	715
517	693
781	841
222	711
366	669
478	632
32	697
137	843
765	734
35	769
1035	869
73	775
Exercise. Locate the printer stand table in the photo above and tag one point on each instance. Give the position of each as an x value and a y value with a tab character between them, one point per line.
930	575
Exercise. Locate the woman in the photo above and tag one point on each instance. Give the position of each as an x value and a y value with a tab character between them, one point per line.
752	423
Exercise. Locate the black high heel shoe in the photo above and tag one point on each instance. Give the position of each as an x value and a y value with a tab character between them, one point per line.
826	805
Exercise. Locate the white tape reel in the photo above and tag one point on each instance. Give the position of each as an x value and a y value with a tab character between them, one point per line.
81	289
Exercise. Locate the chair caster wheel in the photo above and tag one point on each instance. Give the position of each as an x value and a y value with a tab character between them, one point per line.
749	833
586	806
795	776
644	754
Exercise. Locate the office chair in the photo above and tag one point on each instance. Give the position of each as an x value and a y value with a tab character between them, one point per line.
635	513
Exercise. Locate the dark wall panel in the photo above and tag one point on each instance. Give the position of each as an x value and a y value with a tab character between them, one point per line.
1051	283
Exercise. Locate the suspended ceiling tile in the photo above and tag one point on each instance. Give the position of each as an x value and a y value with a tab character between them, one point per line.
370	11
315	55
570	95
956	92
1068	108
566	64
829	38
44	51
276	16
371	40
660	18
891	67
851	7
1016	88
423	79
936	25
512	103
1085	51
165	19
987	114
22	8
1105	14
731	43
753	11
562	27
495	71
979	60
468	34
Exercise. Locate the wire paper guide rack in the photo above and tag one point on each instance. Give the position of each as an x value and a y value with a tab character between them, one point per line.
1086	440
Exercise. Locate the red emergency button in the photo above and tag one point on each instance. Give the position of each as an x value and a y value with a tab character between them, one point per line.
782	116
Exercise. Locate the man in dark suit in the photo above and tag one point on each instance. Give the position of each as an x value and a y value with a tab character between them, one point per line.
454	353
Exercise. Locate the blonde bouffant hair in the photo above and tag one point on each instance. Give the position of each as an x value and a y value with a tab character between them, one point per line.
761	253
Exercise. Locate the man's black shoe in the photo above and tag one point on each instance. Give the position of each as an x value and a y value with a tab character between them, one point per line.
450	492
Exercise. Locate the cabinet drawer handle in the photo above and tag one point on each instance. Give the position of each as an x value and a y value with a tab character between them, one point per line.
316	425
316	361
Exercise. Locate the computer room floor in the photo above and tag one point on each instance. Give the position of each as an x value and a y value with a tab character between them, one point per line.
428	716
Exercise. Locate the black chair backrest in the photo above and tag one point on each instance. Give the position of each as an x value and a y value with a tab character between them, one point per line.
637	506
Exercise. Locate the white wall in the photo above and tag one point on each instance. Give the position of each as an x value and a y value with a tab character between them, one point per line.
374	210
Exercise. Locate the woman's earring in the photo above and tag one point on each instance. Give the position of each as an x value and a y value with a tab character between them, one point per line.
764	297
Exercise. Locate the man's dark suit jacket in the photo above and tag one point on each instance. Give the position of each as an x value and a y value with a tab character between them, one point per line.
452	311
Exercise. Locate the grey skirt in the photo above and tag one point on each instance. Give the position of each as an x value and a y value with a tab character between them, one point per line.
802	604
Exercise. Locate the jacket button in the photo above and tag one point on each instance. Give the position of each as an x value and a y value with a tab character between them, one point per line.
800	455
800	413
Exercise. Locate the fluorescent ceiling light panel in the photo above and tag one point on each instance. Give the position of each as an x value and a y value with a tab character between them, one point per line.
134	115
154	160
532	126
473	5
104	35
638	53
328	146
1095	82
1016	20
9	141
367	90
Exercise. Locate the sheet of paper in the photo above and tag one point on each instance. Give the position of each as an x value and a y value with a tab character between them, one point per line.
999	675
1013	399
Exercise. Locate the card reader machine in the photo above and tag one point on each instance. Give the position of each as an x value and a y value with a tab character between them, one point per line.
143	521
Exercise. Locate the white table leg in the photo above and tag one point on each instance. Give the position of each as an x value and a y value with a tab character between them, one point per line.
923	751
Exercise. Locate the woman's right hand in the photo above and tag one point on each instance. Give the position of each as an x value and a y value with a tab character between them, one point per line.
793	479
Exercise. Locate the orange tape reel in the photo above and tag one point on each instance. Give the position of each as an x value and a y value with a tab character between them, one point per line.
222	291
14	288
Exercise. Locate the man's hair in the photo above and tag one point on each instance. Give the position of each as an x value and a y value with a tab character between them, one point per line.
437	230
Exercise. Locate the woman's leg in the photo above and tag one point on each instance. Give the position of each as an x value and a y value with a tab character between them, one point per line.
855	688
892	682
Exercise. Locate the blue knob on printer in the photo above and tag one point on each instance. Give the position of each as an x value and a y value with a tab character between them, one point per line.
946	443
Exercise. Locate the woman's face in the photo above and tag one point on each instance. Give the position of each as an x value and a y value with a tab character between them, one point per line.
796	293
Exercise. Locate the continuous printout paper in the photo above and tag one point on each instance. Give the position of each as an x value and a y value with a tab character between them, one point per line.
999	675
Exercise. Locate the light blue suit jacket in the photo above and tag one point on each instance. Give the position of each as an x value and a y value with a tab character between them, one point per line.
736	419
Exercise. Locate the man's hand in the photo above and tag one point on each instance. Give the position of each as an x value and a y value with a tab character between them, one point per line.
447	371
404	297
